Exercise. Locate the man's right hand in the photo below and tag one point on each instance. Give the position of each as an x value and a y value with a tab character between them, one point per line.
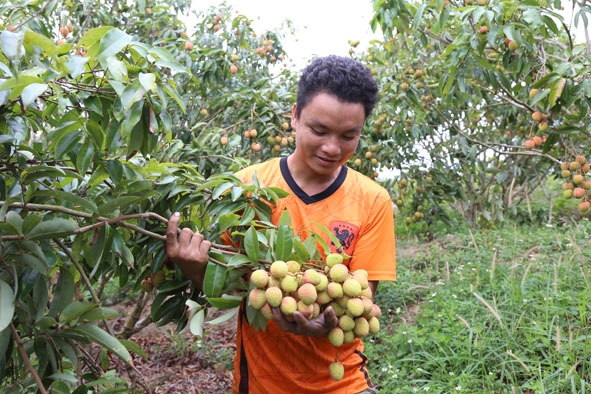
188	250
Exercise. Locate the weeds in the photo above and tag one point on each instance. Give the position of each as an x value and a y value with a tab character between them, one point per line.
493	311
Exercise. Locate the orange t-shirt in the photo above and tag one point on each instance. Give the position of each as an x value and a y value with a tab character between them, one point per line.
359	213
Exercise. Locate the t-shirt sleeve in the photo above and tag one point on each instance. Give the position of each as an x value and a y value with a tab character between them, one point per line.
375	251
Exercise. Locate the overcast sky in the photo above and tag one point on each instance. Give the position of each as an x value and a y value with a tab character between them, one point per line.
323	26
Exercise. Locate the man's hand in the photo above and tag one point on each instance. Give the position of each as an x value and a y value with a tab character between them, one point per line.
317	327
188	250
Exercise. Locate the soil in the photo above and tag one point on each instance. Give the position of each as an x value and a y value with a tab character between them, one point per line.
184	363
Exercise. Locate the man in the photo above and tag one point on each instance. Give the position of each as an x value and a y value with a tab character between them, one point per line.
335	97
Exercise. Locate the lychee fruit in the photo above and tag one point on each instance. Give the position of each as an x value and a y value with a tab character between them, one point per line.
346	323
352	287
336	370
339	273
273	296
307	293
355	306
374	325
361	328
333	259
289	305
278	269
259	278
336	336
257	298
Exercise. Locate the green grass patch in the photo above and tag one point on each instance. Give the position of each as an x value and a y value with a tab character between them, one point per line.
488	311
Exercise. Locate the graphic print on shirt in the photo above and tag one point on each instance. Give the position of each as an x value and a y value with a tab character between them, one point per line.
346	233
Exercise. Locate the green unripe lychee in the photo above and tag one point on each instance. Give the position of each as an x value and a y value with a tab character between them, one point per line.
374	325
346	323
323	282
352	287
361	277
305	309
355	306
311	276
367	293
274	295
343	301
267	312
336	371
335	290
349	336
289	284
289	305
256	297
333	259
336	336
338	310
361	327
292	266
323	298
367	306
307	293
339	273
278	269
259	278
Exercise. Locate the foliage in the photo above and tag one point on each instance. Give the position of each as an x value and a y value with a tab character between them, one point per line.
461	82
501	310
111	122
114	115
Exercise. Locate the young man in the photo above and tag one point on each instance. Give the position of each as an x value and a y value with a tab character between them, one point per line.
335	96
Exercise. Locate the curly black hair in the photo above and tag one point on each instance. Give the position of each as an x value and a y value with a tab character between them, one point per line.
339	76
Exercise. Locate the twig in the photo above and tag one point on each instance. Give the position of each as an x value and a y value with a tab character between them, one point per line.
27	361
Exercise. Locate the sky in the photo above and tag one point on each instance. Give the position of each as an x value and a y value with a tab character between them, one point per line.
323	27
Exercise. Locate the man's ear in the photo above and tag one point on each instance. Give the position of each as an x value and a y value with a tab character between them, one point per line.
294	119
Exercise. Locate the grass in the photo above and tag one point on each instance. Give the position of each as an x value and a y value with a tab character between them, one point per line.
493	311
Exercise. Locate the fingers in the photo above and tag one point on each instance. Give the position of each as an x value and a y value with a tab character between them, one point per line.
171	235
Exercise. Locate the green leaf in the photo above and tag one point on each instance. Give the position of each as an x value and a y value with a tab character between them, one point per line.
556	91
63	292
99	336
225	302
301	250
238	260
74	310
225	317
32	92
6	305
112	43
15	221
53	228
213	283
11	43
251	244
61	196
134	347
284	243
124	201
196	323
33	173
100	313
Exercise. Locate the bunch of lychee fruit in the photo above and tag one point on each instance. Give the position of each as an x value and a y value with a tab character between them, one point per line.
309	289
576	183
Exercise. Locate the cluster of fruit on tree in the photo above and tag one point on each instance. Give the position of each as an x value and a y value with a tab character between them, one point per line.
576	183
309	289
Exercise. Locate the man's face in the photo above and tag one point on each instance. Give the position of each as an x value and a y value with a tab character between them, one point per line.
327	133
